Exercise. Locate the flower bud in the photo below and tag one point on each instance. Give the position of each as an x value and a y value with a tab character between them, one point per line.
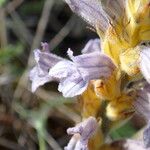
120	108
130	61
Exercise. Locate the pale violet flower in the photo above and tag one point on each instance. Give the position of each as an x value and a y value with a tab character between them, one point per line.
73	75
93	45
133	145
71	82
91	11
45	60
142	105
114	8
146	135
97	13
82	132
145	62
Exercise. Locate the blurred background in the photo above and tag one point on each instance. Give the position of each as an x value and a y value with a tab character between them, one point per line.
32	121
38	121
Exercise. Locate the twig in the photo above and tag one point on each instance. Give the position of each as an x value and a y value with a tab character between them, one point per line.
37	39
17	24
51	141
11	6
9	144
69	113
42	23
20	28
62	33
3	32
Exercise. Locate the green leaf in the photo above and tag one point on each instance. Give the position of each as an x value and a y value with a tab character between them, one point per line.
2	2
125	131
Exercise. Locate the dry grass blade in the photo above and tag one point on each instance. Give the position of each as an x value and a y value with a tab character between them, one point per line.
9	144
42	24
3	34
13	5
19	27
59	37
